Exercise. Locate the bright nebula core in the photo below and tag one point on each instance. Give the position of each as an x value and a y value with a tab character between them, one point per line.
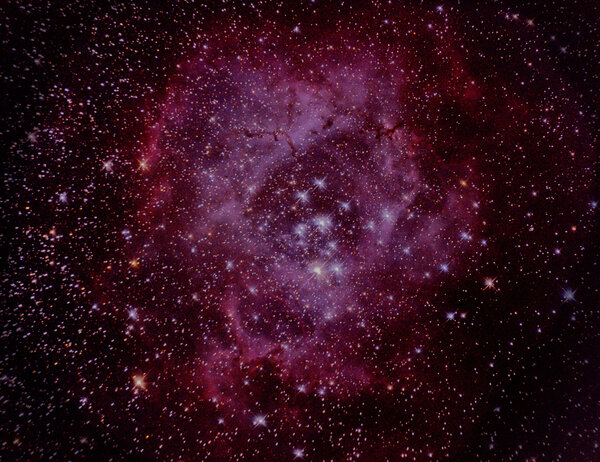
318	231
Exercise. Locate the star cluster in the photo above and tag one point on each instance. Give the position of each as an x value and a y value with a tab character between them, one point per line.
305	231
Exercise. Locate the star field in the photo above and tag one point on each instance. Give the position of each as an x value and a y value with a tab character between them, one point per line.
322	231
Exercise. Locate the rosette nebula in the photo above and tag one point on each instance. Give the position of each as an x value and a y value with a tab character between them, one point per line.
305	231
